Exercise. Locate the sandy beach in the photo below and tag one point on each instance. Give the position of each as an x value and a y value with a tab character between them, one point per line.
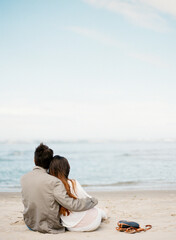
157	208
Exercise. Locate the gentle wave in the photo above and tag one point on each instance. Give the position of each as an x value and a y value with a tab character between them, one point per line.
112	184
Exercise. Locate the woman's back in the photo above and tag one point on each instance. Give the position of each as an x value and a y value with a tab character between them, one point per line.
75	217
82	221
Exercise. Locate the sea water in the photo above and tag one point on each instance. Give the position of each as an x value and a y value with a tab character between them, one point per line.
98	166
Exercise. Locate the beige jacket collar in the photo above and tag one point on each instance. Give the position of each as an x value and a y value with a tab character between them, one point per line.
40	168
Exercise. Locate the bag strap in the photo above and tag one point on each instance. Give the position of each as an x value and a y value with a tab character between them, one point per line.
147	227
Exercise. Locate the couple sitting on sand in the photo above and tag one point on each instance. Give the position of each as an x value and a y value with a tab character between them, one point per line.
52	201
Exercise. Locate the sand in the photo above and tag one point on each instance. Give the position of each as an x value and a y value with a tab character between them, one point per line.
157	208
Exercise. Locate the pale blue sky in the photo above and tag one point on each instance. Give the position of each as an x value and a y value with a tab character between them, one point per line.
87	69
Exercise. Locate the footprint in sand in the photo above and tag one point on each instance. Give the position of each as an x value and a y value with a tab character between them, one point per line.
106	220
18	222
173	214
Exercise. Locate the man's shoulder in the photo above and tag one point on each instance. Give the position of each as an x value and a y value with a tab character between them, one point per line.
25	175
52	178
43	176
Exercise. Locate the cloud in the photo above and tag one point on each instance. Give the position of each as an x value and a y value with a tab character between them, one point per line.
149	58
143	13
110	41
95	35
165	6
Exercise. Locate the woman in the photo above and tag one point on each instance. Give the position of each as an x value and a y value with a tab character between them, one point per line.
75	221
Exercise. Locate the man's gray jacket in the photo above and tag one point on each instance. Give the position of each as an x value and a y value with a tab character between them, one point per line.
42	195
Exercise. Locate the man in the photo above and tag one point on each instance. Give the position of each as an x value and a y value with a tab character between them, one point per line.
43	194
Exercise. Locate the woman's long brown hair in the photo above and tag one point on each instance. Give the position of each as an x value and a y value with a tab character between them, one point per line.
60	168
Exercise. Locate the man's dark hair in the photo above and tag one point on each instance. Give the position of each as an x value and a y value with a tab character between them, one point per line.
43	156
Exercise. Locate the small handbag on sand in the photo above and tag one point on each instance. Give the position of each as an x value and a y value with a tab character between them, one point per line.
131	227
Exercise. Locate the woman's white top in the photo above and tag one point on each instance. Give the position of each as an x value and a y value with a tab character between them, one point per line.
75	217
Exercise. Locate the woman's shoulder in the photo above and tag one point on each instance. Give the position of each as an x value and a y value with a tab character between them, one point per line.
72	181
73	186
79	190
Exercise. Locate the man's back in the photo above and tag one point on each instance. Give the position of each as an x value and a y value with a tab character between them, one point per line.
41	211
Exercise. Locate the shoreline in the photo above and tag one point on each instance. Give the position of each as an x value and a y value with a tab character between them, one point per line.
111	188
106	191
155	207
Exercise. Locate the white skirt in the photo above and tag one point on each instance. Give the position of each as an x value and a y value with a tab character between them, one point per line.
90	222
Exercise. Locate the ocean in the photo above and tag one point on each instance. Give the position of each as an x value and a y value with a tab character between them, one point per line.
98	166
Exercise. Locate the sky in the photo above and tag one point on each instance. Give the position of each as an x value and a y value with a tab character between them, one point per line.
87	69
